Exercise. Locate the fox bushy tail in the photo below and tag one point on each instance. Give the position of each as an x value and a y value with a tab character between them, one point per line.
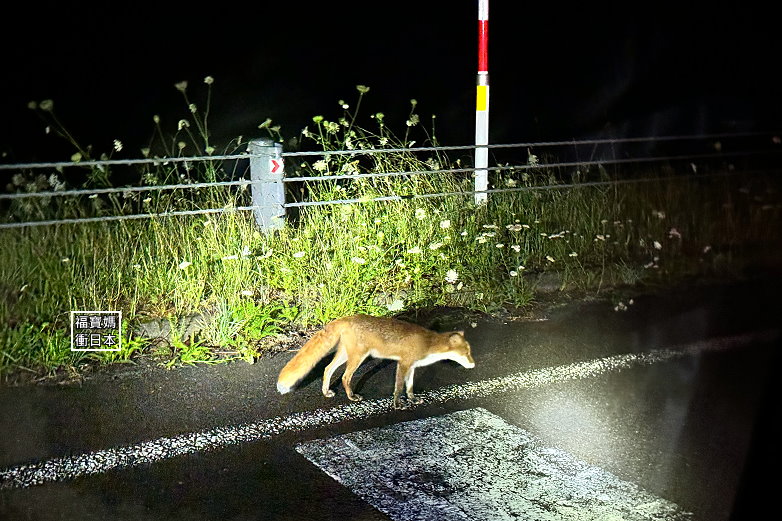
308	356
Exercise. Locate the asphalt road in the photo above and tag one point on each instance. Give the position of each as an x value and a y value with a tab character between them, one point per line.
665	410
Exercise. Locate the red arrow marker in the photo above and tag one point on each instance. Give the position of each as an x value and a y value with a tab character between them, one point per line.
276	165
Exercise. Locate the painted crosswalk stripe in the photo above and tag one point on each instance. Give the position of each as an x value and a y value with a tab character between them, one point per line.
147	452
471	465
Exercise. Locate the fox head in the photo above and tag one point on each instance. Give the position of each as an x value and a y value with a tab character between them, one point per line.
459	348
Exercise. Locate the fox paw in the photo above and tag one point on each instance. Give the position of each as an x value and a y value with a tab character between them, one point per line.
329	394
356	397
399	404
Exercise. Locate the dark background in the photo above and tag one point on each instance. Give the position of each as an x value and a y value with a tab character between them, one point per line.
558	71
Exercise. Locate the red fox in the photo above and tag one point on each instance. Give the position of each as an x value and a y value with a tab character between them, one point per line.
359	336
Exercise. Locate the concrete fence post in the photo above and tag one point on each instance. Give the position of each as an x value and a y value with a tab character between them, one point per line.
268	192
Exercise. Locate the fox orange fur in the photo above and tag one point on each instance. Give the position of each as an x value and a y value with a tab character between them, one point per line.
359	336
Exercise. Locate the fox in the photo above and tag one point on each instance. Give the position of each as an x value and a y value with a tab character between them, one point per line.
359	336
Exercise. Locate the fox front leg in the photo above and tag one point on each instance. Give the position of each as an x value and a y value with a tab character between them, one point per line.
409	386
404	377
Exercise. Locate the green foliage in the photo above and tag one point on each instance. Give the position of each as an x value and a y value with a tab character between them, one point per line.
377	257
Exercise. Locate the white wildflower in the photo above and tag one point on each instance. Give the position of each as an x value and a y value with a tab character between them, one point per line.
320	165
532	159
55	183
396	305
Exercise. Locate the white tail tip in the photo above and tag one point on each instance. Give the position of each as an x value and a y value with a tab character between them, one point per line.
283	388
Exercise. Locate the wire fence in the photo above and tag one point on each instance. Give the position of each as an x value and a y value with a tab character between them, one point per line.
759	149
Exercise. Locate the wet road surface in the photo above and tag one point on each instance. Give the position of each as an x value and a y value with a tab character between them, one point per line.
667	410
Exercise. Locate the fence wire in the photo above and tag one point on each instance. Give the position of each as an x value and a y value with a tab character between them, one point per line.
369	175
155	161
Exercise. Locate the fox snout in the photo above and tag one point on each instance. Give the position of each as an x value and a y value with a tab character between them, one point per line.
467	361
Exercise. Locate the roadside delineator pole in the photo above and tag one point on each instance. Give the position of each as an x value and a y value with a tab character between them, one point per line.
268	192
482	105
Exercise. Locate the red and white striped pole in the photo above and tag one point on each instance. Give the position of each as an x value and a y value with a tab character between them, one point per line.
482	105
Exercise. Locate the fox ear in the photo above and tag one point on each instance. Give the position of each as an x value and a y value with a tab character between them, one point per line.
456	337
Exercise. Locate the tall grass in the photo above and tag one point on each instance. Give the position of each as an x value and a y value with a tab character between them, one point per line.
371	257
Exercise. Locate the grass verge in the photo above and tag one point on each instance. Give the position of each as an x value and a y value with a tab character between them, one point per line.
382	258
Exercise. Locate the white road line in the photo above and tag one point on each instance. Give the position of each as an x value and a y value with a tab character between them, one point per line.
72	467
472	464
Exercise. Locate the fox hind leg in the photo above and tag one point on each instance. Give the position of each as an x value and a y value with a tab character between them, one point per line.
339	358
349	370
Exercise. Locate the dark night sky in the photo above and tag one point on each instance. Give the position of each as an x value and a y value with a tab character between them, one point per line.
557	72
